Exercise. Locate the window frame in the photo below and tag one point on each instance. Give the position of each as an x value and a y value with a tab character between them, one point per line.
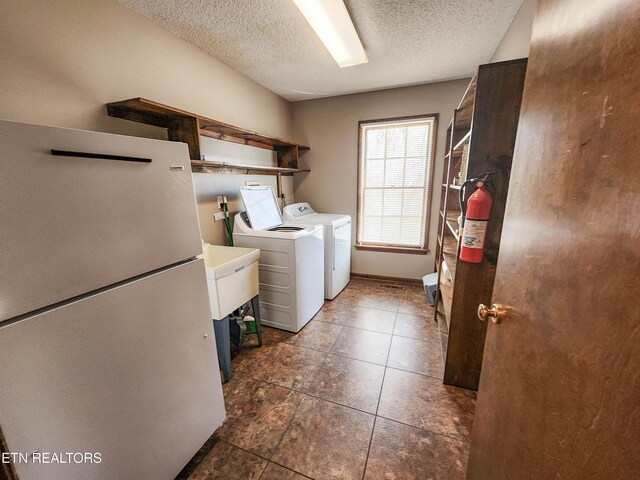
428	186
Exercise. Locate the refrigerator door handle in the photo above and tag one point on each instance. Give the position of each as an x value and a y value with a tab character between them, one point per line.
101	156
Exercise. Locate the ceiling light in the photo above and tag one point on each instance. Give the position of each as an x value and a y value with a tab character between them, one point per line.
331	22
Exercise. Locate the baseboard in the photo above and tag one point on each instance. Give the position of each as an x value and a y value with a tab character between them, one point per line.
383	278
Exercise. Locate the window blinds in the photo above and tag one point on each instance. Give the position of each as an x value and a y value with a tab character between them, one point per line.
395	165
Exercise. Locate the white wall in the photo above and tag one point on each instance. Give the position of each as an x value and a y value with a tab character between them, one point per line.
208	186
61	61
516	40
330	127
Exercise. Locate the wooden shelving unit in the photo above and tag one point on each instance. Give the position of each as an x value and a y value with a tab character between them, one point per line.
187	127
485	122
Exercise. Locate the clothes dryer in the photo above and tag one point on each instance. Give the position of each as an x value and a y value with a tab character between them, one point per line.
337	244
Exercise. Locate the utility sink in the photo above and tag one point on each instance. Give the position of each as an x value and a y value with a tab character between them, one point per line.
232	277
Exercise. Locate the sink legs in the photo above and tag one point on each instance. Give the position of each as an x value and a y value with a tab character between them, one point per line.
255	306
223	331
223	344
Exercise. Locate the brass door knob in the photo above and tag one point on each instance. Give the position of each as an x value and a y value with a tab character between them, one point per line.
495	313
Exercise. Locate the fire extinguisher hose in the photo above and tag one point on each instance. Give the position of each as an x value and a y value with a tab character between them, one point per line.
483	177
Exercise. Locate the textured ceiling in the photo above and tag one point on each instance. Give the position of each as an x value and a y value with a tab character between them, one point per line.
408	42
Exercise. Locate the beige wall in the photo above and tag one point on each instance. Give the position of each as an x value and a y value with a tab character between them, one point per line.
330	127
208	187
61	61
515	43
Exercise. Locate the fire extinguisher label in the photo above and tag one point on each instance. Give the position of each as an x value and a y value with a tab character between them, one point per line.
474	232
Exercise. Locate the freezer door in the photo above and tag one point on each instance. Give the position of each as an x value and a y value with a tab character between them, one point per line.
82	220
130	373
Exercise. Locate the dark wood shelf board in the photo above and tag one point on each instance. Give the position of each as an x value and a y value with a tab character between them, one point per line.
201	166
465	139
147	111
446	294
449	247
469	97
450	252
187	127
452	224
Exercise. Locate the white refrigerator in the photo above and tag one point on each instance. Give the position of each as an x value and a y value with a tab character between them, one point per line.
106	337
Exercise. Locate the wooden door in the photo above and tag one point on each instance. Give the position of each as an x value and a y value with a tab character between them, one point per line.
559	394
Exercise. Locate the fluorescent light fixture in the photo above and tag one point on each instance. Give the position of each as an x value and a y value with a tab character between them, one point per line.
331	22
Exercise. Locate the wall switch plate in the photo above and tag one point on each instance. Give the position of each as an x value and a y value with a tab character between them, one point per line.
249	183
218	216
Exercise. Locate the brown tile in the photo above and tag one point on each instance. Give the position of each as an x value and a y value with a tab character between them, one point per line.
418	356
326	441
226	462
414	326
341	301
360	317
349	382
197	459
316	335
414	288
415	304
270	337
426	403
380	300
362	345
289	366
402	452
357	284
258	414
276	472
245	360
333	311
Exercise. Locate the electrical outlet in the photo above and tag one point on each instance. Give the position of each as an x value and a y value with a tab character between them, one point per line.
218	216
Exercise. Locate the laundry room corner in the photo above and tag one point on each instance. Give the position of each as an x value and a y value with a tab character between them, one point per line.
330	127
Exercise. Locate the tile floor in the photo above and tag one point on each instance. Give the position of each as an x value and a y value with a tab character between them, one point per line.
357	394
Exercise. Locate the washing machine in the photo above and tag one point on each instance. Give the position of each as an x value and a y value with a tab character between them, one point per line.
291	265
337	244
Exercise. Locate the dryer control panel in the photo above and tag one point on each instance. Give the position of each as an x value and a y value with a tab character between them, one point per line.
297	210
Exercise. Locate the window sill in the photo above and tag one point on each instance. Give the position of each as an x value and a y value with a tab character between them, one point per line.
390	249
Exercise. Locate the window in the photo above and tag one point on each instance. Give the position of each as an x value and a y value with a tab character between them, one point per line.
394	191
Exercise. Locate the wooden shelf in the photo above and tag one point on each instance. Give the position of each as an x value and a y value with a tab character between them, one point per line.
202	166
450	252
462	141
446	293
452	225
449	247
464	112
456	154
187	127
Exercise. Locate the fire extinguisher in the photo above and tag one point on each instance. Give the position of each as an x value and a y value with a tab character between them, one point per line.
476	212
